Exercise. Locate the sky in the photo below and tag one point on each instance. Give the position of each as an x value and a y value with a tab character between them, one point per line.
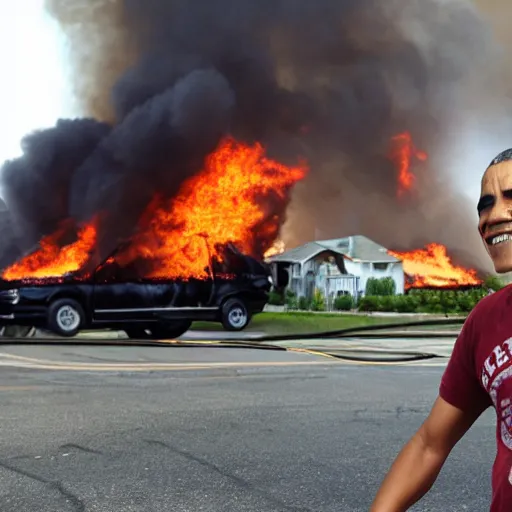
33	90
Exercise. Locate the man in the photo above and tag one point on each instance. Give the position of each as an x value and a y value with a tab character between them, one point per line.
478	375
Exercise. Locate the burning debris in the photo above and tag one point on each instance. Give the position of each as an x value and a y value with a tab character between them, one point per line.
206	113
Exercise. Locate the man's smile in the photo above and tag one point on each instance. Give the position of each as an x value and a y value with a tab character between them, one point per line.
499	239
497	234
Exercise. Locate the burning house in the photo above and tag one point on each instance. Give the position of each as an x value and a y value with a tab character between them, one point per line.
336	267
344	265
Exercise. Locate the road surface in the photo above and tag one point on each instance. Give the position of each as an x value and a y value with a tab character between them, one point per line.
141	429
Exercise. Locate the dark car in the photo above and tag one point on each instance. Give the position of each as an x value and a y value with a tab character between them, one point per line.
142	308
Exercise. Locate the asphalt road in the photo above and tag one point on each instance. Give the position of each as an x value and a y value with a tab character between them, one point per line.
182	429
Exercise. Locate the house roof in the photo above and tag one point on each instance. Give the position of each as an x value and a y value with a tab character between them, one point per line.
302	253
356	247
362	248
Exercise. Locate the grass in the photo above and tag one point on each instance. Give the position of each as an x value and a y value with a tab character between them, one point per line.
303	322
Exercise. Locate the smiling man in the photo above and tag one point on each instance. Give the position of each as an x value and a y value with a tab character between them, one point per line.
478	375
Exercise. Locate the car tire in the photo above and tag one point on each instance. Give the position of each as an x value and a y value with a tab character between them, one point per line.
65	317
170	330
137	333
235	315
163	331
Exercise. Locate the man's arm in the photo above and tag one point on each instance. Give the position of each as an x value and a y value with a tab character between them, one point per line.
417	466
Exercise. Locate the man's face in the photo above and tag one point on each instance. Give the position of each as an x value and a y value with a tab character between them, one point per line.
495	212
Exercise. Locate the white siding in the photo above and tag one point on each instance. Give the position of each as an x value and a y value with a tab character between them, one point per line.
365	270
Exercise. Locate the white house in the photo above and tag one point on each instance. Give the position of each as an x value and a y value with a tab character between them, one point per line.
338	266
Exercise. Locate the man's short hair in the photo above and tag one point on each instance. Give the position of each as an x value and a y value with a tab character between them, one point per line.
504	156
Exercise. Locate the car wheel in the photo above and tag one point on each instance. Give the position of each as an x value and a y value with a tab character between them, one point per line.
170	330
138	333
235	316
163	331
65	317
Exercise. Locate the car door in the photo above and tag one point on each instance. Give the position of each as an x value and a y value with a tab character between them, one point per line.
122	302
184	298
117	300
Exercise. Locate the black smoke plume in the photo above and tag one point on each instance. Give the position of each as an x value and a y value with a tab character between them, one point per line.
331	80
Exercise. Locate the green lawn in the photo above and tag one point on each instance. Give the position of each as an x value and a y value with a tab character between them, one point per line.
300	323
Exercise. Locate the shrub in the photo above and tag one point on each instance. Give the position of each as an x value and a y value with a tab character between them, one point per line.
493	283
368	303
275	298
372	287
424	301
380	287
405	304
291	300
318	301
388	286
385	303
303	304
343	303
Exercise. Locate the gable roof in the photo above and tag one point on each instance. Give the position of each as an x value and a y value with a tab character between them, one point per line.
302	253
356	247
361	248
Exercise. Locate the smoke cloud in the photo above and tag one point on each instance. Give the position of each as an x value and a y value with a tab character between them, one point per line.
331	80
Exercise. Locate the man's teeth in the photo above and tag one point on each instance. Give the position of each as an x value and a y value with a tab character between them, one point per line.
501	238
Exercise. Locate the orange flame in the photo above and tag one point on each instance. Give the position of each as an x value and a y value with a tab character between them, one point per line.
52	260
433	267
229	201
278	247
402	152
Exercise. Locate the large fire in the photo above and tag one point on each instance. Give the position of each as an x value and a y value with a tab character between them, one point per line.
402	152
232	200
228	202
433	267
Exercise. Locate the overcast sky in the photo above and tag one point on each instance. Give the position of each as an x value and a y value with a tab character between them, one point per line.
33	87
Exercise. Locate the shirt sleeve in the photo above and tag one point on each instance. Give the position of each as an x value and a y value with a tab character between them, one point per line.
460	384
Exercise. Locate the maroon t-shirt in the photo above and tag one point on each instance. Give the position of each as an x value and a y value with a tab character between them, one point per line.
479	375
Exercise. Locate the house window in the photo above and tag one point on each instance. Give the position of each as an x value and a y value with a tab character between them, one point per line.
380	266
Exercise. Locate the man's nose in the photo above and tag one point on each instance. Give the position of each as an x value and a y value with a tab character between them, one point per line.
500	212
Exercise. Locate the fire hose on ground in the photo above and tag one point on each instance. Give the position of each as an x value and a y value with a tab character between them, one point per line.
263	342
369	332
352	331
